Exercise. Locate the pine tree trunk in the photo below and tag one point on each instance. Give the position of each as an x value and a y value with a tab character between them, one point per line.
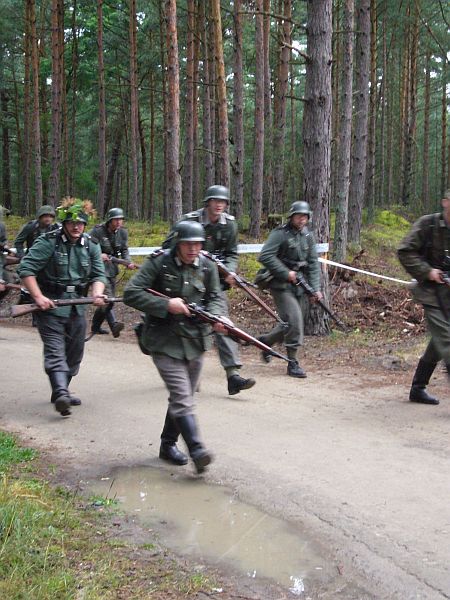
150	208
188	162
222	108
73	114
207	91
345	135
64	117
444	177
111	176
134	126
237	196
43	100
101	113
383	87
6	166
36	114
162	34
317	133
55	158
26	158
279	116
142	209
173	113
199	22
426	206
361	110
371	144
268	178
258	148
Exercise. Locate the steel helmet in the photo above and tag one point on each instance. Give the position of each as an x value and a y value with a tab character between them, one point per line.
189	231
300	207
46	209
114	213
217	191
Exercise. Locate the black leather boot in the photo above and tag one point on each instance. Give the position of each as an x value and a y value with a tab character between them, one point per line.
236	383
168	450
295	370
74	400
97	320
187	426
421	379
115	326
60	393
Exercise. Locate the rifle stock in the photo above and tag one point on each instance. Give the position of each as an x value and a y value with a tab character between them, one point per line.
245	286
18	310
234	332
119	261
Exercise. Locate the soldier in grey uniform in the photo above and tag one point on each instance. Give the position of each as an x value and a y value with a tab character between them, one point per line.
62	264
113	241
43	223
175	341
425	254
221	241
290	248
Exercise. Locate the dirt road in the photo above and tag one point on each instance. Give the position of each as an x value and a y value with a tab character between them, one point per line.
364	472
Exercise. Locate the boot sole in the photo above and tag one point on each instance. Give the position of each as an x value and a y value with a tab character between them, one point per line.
172	461
431	402
117	329
202	462
250	383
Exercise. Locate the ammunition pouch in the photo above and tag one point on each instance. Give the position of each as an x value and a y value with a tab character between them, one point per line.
139	331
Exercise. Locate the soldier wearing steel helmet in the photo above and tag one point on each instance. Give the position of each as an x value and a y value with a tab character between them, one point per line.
221	241
290	248
43	223
62	264
175	341
113	240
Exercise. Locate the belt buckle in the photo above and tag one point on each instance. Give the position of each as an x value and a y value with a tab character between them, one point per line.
70	289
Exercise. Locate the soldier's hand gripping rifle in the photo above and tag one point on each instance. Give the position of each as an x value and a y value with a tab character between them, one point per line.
18	310
245	286
120	261
301	281
234	332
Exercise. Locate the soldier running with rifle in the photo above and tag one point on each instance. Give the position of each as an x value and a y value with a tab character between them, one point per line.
425	254
113	240
61	265
221	242
43	223
289	250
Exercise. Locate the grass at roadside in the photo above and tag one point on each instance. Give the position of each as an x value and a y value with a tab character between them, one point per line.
55	545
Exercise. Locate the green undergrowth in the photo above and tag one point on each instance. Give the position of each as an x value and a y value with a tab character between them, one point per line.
55	545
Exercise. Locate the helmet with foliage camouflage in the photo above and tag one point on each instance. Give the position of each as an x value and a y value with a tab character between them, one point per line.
114	213
189	231
46	209
300	208
74	209
219	192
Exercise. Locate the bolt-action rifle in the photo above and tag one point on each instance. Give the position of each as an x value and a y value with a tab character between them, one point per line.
245	286
119	261
301	282
234	332
19	310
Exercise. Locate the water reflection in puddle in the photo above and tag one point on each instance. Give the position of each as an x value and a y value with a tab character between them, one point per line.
208	522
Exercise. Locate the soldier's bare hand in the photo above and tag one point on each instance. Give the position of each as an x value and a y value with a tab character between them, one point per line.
436	275
292	277
230	280
105	257
132	266
2	286
100	300
317	296
177	306
219	328
43	302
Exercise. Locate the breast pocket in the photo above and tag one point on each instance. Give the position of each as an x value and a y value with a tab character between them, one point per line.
198	291
62	265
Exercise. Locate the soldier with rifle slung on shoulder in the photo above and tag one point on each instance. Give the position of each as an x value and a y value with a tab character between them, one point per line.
290	250
425	254
113	240
175	340
62	264
221	242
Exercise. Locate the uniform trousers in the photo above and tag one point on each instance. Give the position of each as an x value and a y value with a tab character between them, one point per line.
63	339
290	310
439	328
181	377
228	349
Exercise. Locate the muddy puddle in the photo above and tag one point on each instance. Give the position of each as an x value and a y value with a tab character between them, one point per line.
208	523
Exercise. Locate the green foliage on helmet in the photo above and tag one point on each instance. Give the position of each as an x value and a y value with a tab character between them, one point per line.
219	192
189	231
74	209
300	207
114	213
